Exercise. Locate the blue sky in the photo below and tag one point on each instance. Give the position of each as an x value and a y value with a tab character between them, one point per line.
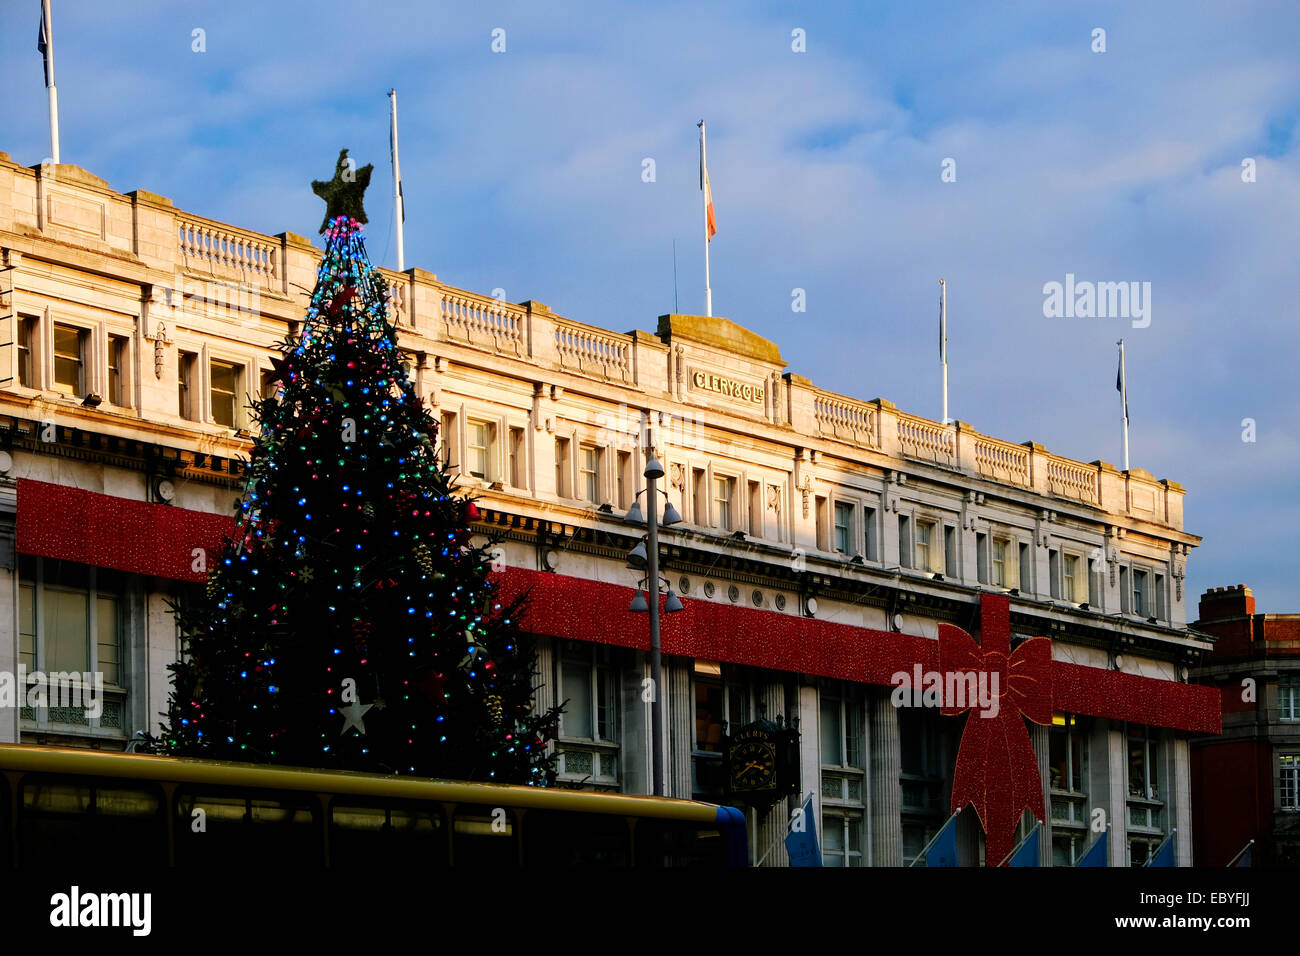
522	170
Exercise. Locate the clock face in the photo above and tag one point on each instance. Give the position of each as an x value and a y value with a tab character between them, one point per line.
753	766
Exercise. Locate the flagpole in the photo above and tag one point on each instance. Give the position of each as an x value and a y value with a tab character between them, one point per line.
1249	844
1169	836
933	839
708	291
1020	846
1123	391
47	31
943	343
399	206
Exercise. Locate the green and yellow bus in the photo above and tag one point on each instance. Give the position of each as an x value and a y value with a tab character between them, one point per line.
56	804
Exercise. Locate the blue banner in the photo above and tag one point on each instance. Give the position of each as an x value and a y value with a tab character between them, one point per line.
1095	855
1165	855
1027	855
943	851
801	841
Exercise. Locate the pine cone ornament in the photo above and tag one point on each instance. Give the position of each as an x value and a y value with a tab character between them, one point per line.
424	557
496	712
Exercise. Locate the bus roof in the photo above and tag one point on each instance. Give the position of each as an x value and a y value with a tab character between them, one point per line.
189	770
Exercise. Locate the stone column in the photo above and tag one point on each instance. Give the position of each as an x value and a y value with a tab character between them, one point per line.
885	793
1179	807
1040	735
678	713
770	829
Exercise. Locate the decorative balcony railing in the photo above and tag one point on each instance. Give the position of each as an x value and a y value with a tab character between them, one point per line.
1069	479
1002	461
592	352
846	420
217	250
926	440
483	321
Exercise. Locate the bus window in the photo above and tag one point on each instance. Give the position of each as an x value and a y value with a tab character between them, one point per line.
235	827
484	837
394	833
679	843
553	838
63	818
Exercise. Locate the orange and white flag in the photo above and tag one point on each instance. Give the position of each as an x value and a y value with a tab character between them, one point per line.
710	222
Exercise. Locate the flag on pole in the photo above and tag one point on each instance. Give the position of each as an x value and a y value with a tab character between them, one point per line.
943	326
801	841
44	37
942	850
1095	855
712	222
1243	857
1164	856
1121	385
1027	854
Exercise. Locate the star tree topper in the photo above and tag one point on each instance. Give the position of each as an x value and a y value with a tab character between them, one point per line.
343	193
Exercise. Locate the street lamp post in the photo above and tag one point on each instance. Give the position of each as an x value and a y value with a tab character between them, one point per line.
653	472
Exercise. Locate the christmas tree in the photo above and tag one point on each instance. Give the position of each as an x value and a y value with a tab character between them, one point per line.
351	622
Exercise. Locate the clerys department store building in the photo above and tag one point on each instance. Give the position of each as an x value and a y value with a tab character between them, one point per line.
828	542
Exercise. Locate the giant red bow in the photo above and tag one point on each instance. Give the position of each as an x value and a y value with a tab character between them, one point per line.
996	770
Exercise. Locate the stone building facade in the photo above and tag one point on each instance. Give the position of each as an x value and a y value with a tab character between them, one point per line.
825	537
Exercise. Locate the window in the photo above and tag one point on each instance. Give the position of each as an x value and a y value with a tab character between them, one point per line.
1093	599
1140	593
70	620
700	495
186	362
1289	782
117	370
904	541
1161	609
623	477
1073	587
589	688
1054	572
270	384
1000	562
1288	697
589	461
1125	598
70	360
982	557
27	329
922	760
710	727
518	458
480	441
755	509
1026	577
1067	764
950	551
872	534
450	441
562	468
843	773
822	507
925	546
1145	809
843	527
723	491
225	392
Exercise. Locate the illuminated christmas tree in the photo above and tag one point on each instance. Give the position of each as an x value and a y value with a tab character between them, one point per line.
350	622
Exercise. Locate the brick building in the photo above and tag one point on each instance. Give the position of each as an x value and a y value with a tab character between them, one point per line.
1246	783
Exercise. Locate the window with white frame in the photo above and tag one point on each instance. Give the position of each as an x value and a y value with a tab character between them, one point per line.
562	468
1054	572
844	527
700	495
623	479
71	620
224	389
449	441
1289	782
1071	584
981	557
1145	805
589	688
28	333
904	541
755	509
1141	599
724	492
118	382
70	347
589	462
871	534
1026	576
1000	548
1288	697
926	546
843	774
186	366
480	446
518	458
950	551
1161	610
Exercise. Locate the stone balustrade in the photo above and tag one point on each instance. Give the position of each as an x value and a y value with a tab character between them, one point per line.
218	250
